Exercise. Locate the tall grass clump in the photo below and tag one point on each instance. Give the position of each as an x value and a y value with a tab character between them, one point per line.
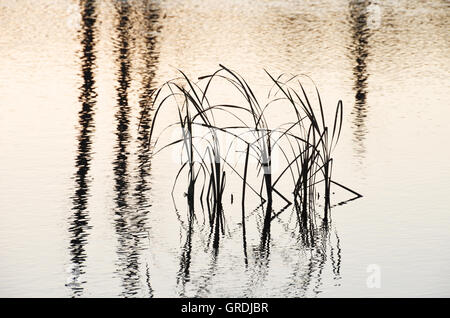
305	142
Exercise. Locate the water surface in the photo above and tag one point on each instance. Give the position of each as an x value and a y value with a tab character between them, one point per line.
84	211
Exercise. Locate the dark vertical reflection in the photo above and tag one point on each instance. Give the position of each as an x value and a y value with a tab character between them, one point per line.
183	276
79	221
150	56
261	251
130	217
128	267
336	257
360	52
308	259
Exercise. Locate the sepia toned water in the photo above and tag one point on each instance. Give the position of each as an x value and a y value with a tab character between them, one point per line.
81	215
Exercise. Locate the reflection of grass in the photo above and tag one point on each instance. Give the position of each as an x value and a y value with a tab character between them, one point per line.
305	143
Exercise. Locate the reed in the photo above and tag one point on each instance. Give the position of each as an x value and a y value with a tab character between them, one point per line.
305	143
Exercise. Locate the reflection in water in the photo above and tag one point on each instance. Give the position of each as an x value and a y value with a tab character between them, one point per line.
79	222
204	285
128	266
359	16
130	218
307	253
307	249
317	241
150	57
183	275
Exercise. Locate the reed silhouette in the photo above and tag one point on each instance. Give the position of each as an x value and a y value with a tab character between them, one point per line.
306	143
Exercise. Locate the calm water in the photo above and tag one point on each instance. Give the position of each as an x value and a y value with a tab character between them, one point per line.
81	216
